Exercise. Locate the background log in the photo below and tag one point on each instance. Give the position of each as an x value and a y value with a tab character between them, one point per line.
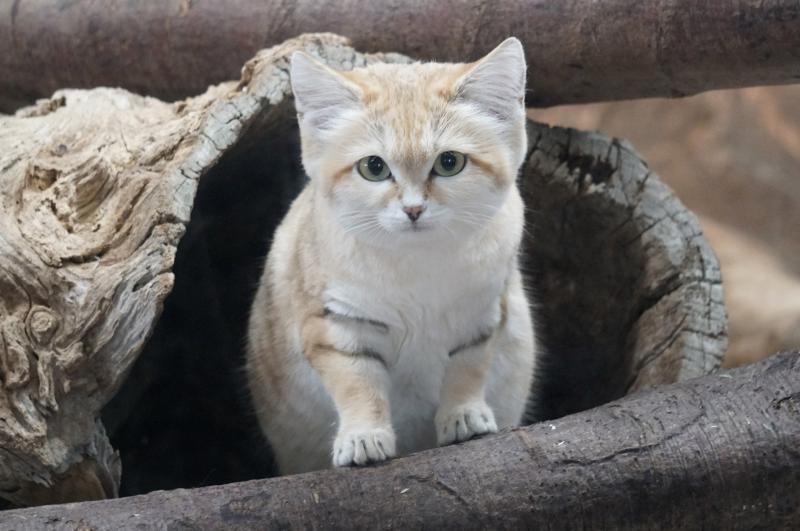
718	452
578	50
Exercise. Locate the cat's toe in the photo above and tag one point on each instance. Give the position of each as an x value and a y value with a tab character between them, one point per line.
464	422
361	447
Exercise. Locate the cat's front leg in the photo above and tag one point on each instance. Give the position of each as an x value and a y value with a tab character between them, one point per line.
358	382
463	412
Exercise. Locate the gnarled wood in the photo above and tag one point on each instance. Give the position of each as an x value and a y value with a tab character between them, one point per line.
92	204
578	50
718	452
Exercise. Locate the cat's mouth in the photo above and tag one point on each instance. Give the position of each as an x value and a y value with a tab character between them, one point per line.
417	226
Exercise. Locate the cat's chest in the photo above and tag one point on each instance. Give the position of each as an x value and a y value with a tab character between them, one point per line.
426	316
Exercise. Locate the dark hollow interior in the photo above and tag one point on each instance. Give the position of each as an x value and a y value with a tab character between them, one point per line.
183	419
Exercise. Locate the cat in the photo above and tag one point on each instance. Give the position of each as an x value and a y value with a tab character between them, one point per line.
391	314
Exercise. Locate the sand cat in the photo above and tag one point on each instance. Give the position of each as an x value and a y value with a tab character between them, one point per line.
391	315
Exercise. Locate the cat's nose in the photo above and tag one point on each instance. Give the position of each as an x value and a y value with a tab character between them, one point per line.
413	212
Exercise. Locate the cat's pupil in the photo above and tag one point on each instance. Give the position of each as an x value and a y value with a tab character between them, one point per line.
375	165
448	160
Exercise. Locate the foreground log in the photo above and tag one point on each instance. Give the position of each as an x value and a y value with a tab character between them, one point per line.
578	50
628	291
718	452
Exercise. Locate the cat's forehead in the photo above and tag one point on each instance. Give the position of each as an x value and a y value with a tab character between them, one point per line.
409	104
387	86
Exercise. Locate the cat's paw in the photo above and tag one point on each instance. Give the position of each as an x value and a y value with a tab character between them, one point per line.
359	447
464	422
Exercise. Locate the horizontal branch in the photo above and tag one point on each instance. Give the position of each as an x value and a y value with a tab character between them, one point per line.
578	50
718	452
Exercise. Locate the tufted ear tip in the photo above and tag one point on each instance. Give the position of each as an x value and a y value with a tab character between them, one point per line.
496	83
300	60
320	92
511	45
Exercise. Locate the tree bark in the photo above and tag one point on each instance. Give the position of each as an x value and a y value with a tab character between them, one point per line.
718	452
578	50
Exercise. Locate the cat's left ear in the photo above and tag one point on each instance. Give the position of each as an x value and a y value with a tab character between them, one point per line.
320	92
496	83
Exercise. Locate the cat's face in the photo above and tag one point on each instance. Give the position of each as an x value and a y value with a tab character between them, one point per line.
414	153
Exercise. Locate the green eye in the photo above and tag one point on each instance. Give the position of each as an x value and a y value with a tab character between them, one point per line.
449	163
373	168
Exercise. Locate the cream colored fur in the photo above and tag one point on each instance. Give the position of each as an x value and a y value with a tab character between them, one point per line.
370	334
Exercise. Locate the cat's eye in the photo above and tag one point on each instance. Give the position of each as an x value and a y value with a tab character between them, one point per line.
449	163
374	168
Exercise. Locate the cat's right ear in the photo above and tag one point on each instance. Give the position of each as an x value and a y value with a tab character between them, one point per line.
320	92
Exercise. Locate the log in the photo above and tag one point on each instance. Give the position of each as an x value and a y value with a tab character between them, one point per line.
628	291
91	211
718	452
578	50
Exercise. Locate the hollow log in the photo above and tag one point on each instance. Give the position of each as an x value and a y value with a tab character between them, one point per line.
578	50
628	292
717	452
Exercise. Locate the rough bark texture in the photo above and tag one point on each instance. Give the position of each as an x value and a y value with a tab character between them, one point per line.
578	50
91	210
718	452
627	290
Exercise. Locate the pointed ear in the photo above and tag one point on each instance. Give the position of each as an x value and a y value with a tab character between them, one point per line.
320	92
496	83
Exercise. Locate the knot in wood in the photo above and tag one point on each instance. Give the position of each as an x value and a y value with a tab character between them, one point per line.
42	325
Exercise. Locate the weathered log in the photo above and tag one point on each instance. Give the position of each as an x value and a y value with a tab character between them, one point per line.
628	294
628	291
90	213
718	452
578	50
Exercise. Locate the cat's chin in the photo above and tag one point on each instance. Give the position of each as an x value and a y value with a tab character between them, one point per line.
422	235
417	227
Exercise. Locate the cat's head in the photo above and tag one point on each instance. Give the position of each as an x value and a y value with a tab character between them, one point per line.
413	152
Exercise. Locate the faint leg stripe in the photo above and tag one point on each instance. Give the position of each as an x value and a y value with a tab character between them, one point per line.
330	314
483	338
361	353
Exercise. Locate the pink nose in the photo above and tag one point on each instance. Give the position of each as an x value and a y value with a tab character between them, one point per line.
413	212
